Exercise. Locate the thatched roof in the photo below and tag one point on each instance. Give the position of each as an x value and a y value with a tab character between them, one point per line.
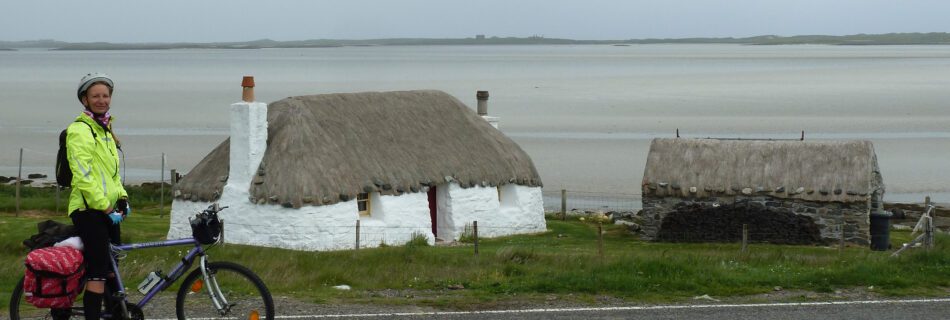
207	179
844	171
322	149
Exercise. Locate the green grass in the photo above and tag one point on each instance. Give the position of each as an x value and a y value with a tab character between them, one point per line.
563	262
45	198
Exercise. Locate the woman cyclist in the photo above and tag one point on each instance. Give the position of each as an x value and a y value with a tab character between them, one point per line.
98	201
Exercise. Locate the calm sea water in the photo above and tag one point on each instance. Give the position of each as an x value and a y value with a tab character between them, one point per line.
586	114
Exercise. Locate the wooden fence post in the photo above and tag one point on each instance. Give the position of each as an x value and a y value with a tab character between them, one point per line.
600	241
357	235
19	176
745	238
841	238
928	227
172	180
563	204
475	235
161	182
929	232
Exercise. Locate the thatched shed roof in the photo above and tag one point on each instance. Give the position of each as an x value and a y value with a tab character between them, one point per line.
844	171
322	149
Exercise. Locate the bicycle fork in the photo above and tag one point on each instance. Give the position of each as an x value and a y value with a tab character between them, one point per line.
214	291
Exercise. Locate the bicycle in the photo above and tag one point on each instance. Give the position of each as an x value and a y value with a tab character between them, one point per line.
230	290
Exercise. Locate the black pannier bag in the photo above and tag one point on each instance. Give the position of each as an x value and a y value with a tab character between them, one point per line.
49	232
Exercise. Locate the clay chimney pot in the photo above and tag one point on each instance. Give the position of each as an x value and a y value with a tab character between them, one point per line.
248	93
248	82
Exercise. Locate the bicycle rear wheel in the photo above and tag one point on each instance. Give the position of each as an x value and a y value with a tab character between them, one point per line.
20	309
230	291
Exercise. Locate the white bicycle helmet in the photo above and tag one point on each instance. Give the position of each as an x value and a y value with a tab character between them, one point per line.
91	78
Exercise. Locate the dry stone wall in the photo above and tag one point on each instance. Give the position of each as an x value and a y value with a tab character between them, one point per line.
727	214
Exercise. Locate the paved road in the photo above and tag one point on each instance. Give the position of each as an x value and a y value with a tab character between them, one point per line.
922	309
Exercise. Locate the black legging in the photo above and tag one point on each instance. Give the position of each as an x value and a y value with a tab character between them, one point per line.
96	231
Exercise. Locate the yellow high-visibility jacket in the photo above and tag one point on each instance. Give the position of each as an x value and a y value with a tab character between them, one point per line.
94	162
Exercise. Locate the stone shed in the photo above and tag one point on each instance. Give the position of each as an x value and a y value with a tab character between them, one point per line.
786	191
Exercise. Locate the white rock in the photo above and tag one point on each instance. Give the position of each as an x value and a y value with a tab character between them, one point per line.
705	297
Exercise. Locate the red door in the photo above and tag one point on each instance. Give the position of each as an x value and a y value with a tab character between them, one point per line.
433	209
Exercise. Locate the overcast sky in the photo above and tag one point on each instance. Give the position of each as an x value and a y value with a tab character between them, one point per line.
242	20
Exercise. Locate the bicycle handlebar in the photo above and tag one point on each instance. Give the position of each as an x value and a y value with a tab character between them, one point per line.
215	208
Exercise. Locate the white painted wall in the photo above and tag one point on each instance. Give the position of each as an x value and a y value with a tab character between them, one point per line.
248	142
522	210
393	220
330	227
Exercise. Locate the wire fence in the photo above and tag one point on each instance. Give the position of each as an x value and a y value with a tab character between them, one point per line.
350	230
569	201
37	168
355	237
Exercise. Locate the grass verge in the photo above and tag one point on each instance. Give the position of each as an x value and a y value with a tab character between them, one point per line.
563	263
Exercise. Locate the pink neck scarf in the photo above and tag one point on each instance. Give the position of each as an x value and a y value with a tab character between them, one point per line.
102	120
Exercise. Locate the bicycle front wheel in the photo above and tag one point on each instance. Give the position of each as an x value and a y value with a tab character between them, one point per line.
230	291
20	309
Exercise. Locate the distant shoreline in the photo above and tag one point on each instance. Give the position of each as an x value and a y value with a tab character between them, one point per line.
934	38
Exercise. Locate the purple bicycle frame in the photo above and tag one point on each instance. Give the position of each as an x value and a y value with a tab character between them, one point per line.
172	276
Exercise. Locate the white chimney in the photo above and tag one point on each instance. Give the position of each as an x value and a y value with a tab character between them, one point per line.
482	97
248	138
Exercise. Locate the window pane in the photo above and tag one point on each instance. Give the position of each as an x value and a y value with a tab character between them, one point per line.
362	203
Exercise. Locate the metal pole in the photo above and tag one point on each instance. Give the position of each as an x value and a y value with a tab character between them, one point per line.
18	178
57	199
161	182
563	204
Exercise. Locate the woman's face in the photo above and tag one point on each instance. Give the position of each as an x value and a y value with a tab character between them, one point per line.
97	98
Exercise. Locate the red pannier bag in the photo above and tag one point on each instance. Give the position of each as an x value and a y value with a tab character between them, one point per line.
52	277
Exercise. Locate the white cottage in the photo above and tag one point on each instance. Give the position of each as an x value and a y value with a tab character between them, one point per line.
300	173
